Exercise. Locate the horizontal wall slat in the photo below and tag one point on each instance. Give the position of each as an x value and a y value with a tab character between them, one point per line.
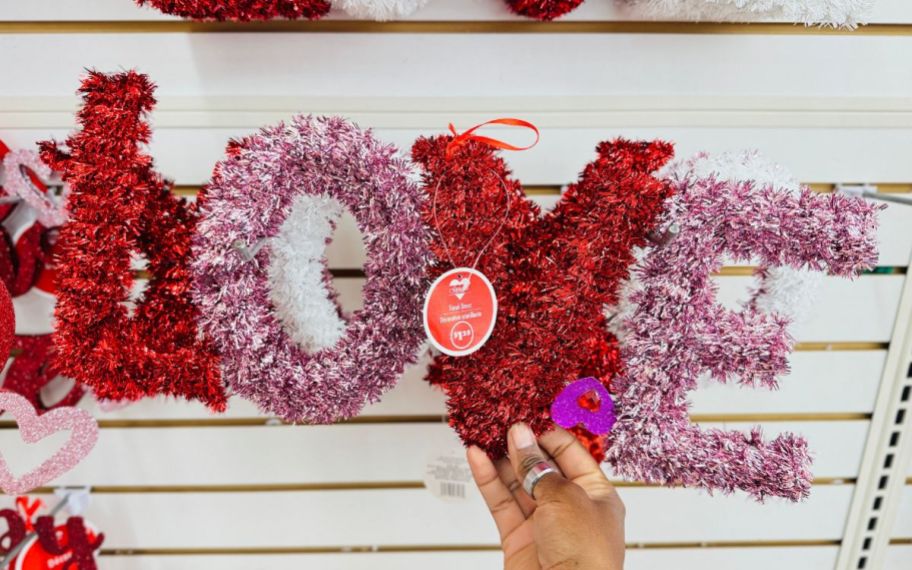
741	558
902	528
898	557
271	64
414	517
312	455
885	11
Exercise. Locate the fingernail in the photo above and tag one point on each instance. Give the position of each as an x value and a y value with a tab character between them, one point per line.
522	436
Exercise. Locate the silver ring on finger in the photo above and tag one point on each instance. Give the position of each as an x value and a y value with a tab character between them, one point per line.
536	474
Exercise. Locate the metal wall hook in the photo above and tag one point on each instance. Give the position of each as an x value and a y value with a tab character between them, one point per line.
870	191
663	237
249	253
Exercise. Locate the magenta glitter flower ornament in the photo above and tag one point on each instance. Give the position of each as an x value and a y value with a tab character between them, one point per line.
574	407
34	428
677	330
261	281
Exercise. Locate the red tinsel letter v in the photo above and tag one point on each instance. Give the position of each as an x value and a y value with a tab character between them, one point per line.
553	275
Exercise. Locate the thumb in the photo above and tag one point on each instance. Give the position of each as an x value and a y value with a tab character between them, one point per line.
526	456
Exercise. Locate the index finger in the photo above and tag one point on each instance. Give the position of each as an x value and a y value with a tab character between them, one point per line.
570	455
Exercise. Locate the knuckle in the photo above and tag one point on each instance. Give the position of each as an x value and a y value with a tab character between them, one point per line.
528	462
560	449
501	505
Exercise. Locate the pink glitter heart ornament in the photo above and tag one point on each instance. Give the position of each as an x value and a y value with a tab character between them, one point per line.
33	428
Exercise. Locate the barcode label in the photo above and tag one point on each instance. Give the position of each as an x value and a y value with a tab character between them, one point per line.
448	477
455	490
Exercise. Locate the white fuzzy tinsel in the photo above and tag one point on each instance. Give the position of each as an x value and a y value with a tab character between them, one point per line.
381	10
839	13
298	290
784	290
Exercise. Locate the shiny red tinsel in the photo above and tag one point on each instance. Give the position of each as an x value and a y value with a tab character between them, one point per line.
30	256
543	9
241	10
7	321
33	369
119	206
553	275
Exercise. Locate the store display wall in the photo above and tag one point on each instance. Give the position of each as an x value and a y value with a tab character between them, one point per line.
175	487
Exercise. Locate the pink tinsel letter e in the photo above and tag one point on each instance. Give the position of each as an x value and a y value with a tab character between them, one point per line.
677	331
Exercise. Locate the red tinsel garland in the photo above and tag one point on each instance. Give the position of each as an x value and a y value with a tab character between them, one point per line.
543	9
241	10
553	275
118	205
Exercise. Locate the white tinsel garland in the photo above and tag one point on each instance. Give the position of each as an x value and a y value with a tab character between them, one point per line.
380	10
784	290
298	288
839	13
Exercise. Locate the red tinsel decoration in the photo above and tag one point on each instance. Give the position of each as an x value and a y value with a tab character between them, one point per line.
33	369
7	322
118	205
543	9
72	542
241	10
15	530
30	255
553	275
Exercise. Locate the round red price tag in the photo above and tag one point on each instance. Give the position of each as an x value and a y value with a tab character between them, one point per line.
459	311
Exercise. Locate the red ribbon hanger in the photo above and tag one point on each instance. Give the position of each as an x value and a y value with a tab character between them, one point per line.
461	138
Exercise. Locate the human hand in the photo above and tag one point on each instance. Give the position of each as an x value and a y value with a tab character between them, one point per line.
576	519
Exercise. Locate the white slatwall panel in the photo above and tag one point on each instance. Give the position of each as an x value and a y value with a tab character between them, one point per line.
804	558
413	517
902	528
898	557
886	11
374	64
278	455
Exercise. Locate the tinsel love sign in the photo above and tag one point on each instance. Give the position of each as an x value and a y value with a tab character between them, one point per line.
241	289
33	428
